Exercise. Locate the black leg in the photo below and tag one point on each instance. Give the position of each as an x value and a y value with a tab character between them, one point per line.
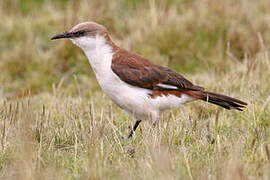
134	128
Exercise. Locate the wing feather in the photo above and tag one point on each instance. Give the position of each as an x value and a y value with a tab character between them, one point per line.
138	71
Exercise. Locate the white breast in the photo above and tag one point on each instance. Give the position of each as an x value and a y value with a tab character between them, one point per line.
133	100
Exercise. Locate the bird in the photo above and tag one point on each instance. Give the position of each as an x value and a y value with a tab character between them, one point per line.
138	86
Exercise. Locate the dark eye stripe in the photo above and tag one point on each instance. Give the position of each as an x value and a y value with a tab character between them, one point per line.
78	33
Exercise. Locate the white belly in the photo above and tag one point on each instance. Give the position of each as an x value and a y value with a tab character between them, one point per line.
137	101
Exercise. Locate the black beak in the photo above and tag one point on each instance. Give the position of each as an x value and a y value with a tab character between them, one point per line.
62	35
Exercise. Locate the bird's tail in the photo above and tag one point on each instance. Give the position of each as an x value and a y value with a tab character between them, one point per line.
219	99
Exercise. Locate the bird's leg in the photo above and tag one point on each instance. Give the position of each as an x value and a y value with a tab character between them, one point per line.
134	128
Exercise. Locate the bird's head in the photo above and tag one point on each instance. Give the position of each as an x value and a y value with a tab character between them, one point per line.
84	35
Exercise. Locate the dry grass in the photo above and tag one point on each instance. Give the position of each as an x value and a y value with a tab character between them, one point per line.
55	123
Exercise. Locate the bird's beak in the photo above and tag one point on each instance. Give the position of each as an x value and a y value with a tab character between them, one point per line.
62	35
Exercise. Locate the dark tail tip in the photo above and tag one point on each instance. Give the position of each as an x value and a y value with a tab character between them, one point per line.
224	101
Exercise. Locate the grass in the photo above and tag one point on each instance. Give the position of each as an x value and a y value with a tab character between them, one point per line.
55	123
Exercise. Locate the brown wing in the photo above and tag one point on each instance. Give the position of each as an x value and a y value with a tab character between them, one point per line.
138	71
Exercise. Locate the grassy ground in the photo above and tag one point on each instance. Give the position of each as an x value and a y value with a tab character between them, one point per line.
55	123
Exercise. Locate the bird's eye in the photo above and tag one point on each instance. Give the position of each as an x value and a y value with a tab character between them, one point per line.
79	33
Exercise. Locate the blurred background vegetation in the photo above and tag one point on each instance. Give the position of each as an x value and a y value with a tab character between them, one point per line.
56	124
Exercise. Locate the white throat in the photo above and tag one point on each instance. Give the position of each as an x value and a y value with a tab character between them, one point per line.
98	52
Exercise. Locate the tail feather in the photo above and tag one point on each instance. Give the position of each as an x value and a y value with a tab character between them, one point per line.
219	99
